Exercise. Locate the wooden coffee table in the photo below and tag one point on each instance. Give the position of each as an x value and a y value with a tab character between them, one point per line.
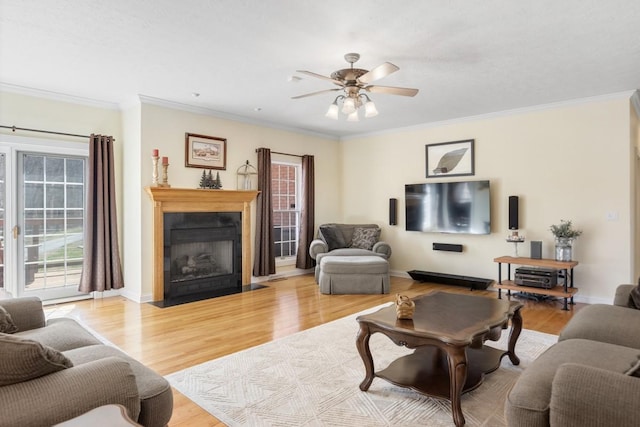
447	332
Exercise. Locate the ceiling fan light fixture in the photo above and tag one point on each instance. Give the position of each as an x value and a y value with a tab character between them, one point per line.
348	105
333	110
353	117
370	109
353	80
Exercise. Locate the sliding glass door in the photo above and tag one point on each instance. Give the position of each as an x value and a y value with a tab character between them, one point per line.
42	209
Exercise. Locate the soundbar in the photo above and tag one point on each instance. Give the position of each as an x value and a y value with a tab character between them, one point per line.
450	279
447	247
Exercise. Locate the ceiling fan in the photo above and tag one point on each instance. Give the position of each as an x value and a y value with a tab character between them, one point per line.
354	80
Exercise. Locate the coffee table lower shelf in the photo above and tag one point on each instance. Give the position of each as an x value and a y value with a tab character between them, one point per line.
426	370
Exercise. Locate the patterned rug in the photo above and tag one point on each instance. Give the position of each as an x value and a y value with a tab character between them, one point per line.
311	378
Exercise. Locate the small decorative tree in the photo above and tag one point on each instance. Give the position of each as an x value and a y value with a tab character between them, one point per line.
203	180
217	184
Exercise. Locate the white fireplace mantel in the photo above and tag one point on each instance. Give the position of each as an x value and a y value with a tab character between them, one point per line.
173	200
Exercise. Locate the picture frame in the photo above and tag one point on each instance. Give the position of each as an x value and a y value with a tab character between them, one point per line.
455	158
205	152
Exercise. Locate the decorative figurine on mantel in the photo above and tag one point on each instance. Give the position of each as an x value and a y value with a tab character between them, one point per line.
208	182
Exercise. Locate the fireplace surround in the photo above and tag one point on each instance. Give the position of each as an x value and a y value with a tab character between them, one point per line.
205	235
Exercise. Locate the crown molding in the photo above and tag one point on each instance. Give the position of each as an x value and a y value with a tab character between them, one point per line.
633	95
144	99
56	96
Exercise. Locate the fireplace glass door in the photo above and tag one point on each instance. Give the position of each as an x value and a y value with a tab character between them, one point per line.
203	256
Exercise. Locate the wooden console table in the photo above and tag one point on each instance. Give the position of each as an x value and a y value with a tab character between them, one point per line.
564	290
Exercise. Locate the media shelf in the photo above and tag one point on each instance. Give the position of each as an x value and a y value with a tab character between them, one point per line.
565	291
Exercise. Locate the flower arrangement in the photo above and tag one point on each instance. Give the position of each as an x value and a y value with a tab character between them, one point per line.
565	230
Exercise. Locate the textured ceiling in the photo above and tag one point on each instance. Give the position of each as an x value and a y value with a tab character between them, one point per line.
466	57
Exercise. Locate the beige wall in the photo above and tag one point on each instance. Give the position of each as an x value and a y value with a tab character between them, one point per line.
164	128
68	117
568	162
140	128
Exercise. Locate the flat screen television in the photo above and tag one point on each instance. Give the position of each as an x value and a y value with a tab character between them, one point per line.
449	207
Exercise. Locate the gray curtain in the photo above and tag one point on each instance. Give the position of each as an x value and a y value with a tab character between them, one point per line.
101	267
307	218
264	262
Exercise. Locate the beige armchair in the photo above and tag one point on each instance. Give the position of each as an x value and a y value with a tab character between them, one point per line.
347	240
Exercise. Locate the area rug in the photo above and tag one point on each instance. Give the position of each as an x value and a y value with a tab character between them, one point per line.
311	378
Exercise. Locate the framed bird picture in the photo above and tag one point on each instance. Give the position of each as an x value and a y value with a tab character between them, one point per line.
455	158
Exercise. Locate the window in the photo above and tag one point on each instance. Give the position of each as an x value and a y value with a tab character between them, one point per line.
286	211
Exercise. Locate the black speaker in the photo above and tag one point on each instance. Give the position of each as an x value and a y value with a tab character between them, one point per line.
513	213
393	211
449	247
536	249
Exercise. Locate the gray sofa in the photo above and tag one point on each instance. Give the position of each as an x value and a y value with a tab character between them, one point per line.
589	377
338	240
54	370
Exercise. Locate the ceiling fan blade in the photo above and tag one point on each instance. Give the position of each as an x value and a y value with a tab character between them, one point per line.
315	93
320	76
377	73
403	91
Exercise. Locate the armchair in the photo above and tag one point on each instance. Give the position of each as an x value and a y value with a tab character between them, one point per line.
347	240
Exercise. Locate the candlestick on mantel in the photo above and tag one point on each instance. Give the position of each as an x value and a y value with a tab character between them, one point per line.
165	175
154	169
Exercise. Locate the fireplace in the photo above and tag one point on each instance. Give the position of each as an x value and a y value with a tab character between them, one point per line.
201	243
202	255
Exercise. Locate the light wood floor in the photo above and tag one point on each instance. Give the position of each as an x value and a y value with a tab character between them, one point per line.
170	339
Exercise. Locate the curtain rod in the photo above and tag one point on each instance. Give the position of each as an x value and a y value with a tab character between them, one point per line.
13	128
284	154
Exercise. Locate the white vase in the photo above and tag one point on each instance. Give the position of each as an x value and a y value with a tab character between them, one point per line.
563	248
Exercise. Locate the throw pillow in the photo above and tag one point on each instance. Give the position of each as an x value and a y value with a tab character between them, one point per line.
365	238
634	297
6	322
23	360
332	237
